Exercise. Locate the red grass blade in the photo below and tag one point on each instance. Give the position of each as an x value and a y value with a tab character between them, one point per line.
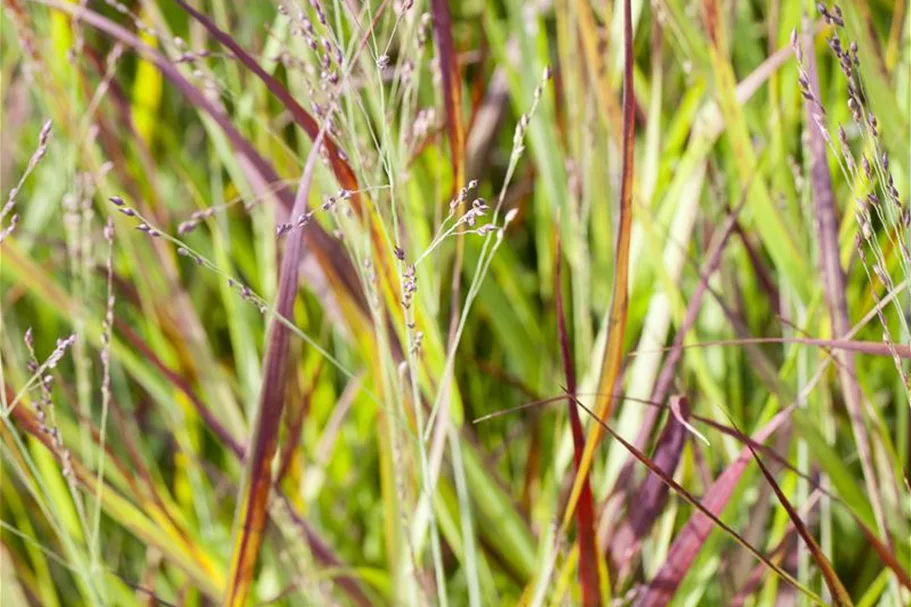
646	504
452	86
219	430
668	369
452	96
250	519
295	424
707	514
585	513
887	556
343	172
834	280
179	550
686	546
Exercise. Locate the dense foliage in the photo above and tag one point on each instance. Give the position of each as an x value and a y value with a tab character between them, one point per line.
475	303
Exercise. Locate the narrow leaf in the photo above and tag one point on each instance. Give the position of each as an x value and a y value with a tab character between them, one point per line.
842	599
452	86
331	255
688	542
585	514
610	366
250	519
833	277
647	503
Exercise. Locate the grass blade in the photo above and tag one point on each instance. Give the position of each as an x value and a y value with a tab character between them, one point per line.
842	599
343	172
833	278
619	308
646	504
452	87
660	591
686	546
330	254
250	519
585	513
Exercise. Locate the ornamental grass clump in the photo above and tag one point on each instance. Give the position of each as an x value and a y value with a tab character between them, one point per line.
434	303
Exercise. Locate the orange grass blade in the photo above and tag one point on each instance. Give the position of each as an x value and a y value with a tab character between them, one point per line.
610	366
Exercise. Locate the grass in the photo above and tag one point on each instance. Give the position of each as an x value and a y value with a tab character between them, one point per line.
476	303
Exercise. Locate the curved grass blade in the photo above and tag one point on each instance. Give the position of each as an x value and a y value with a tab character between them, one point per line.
48	290
841	596
212	422
186	555
344	174
706	511
331	256
342	170
296	423
887	556
668	370
688	542
252	510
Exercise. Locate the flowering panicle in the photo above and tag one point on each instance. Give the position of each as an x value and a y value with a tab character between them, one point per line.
879	196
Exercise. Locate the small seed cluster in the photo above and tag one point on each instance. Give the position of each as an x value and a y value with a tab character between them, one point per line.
244	291
44	405
880	199
39	153
409	285
185	227
326	67
462	196
518	139
329	205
